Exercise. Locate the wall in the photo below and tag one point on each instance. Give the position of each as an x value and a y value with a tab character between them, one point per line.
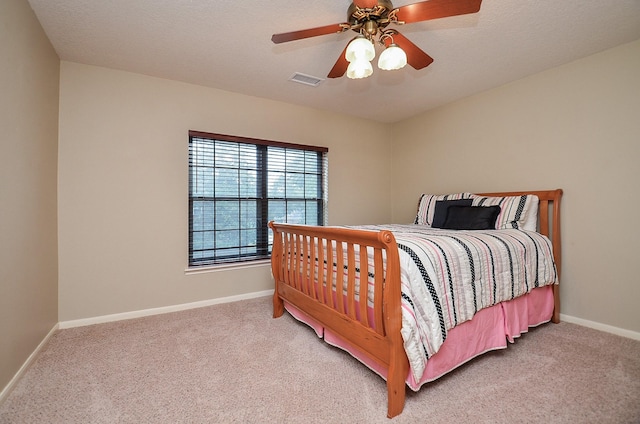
574	127
123	184
29	78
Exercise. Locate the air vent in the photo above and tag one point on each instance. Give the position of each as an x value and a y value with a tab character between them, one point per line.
306	79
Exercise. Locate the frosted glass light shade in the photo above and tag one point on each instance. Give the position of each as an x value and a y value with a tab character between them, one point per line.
360	48
360	68
393	57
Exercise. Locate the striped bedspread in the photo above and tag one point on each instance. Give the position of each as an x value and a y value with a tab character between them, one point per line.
447	276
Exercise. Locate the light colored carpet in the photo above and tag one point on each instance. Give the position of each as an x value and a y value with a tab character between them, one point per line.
233	363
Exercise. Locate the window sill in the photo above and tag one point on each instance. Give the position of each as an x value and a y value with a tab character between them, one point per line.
227	267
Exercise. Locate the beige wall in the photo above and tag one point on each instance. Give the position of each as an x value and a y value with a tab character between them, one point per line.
575	127
123	184
29	75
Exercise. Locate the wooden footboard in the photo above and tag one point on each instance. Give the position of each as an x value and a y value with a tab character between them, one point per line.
303	261
310	264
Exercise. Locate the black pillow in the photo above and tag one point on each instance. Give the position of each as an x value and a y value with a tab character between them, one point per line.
441	208
471	217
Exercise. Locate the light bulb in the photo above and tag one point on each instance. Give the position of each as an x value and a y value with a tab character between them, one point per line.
360	68
393	57
360	48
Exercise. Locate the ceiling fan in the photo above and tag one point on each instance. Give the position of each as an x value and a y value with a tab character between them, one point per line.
370	18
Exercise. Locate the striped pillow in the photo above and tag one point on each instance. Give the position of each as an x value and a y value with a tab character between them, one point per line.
519	212
427	206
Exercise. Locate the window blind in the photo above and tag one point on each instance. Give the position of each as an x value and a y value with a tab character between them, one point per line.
237	185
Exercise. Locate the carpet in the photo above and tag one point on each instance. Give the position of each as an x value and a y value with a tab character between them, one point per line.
234	363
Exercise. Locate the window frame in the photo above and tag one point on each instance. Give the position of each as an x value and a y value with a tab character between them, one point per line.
263	243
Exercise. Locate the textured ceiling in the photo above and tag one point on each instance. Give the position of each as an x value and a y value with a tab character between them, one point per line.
227	44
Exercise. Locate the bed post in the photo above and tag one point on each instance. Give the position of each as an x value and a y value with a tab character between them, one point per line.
276	270
556	241
392	306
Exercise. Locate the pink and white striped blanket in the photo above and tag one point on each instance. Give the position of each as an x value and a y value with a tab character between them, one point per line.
449	275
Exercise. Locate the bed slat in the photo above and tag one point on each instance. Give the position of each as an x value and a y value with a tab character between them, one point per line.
329	274
351	281
364	286
339	290
377	290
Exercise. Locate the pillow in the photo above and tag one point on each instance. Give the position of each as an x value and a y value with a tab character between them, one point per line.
427	205
531	220
442	206
471	217
520	212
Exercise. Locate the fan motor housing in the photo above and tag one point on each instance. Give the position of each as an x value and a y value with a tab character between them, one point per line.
356	15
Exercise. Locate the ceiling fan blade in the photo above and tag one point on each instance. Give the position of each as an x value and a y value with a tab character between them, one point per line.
417	58
307	33
366	4
434	9
340	66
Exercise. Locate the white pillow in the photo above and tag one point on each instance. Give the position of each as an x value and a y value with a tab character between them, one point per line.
519	212
427	206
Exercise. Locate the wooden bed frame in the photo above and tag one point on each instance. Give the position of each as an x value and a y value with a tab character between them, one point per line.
303	284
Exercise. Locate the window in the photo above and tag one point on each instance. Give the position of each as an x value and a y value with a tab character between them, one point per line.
237	185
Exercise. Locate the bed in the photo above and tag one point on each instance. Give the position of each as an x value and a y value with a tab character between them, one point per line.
437	293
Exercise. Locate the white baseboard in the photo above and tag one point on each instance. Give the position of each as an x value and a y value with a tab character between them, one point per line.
185	306
7	389
161	310
602	327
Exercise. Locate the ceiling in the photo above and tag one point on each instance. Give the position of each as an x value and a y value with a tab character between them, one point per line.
226	44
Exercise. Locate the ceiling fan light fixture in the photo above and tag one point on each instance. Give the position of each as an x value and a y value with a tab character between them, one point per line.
360	49
370	19
393	57
359	68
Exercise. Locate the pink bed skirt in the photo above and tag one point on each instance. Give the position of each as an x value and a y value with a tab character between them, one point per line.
488	330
